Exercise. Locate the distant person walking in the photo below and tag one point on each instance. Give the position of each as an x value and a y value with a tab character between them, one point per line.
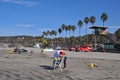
103	47
42	52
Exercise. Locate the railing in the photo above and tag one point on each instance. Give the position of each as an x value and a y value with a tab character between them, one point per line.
112	38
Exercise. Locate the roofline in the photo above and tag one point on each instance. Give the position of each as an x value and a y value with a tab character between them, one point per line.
95	27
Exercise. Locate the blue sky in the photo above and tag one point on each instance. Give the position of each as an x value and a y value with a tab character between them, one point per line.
32	17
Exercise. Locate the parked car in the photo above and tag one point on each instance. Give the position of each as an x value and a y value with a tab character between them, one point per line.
72	49
84	49
20	50
57	48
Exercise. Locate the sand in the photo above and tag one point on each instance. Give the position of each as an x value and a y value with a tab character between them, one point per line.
36	66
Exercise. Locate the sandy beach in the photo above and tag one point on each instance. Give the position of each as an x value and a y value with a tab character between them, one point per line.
35	66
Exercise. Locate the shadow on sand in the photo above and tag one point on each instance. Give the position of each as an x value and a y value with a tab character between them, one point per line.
46	67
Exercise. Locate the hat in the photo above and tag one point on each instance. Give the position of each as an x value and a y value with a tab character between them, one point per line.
62	53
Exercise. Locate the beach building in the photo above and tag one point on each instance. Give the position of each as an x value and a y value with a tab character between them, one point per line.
112	43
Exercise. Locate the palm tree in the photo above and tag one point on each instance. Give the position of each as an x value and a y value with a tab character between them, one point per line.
73	29
69	28
80	23
60	31
63	28
86	20
45	34
48	33
55	33
92	20
51	33
104	17
66	29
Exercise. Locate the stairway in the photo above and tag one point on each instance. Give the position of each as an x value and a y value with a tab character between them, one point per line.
113	39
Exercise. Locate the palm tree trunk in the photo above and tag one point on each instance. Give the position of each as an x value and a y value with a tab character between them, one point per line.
79	35
62	34
86	29
66	34
73	33
103	23
69	33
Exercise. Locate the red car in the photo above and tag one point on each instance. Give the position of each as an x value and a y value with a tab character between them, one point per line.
84	49
72	49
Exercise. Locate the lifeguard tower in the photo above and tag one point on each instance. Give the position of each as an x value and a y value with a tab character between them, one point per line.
98	30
